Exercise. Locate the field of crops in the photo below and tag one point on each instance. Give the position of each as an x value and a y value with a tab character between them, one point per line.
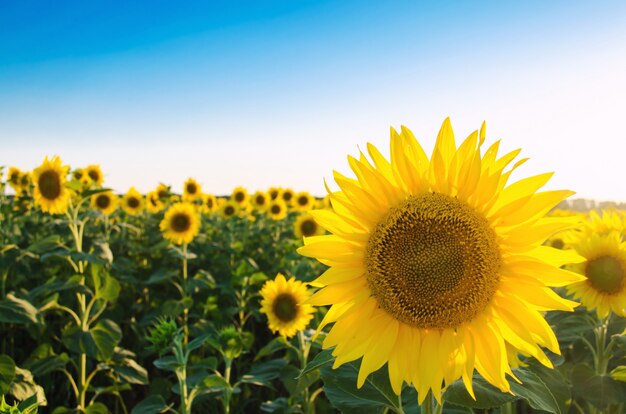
200	303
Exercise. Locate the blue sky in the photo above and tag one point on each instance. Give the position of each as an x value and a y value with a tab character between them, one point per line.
278	93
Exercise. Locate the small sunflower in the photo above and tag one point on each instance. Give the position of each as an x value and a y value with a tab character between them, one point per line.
283	303
287	195
50	193
277	209
209	203
240	196
181	223
604	289
95	174
229	209
13	177
191	190
303	201
260	200
439	257
163	192
132	202
105	202
274	192
306	226
153	202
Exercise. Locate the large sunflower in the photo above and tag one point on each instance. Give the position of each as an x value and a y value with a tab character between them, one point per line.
180	223
436	265
603	245
283	303
50	193
132	202
105	202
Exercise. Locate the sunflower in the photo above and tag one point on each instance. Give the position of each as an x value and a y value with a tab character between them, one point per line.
163	192
181	223
153	202
229	209
273	192
240	196
436	265
209	203
287	195
277	209
105	202
306	226
95	174
191	190
283	303
260	200
50	193
604	287
13	177
303	201
132	202
80	175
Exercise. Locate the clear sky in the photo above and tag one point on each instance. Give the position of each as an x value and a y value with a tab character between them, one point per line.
264	93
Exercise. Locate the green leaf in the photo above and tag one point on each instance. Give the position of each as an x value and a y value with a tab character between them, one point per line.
599	390
320	360
168	363
97	408
375	396
535	391
16	310
487	396
46	365
44	245
24	386
131	372
154	404
555	381
29	405
161	276
7	373
98	342
262	374
272	346
197	342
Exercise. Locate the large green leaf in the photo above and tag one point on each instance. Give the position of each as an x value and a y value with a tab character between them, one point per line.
535	391
324	358
487	396
98	342
376	395
7	373
599	390
97	408
16	310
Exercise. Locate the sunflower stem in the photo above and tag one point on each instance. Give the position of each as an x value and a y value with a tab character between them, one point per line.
603	351
185	294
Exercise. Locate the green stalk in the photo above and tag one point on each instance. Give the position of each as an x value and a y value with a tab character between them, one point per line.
185	295
303	354
227	392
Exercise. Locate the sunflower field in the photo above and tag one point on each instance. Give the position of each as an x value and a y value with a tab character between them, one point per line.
425	284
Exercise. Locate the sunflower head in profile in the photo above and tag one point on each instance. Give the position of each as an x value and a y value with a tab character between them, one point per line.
306	226
132	202
80	175
240	196
154	204
277	209
303	201
260	200
50	193
105	202
180	223
229	209
274	192
94	173
283	303
209	203
191	190
288	196
439	257
603	245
